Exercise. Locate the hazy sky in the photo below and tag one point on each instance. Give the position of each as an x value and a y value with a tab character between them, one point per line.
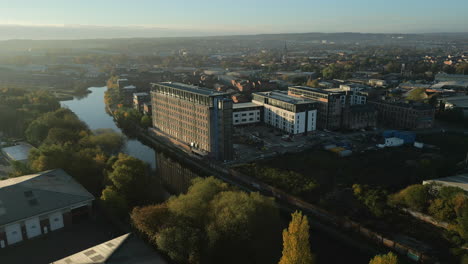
215	17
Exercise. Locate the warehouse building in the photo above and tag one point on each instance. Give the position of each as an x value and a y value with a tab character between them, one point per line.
287	113
198	117
36	204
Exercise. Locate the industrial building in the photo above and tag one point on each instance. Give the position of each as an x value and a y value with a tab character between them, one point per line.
36	204
247	113
198	117
290	114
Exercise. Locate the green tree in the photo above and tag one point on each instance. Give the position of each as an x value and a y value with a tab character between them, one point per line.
242	222
389	258
109	141
146	121
114	201
415	197
312	83
296	245
373	198
130	178
213	223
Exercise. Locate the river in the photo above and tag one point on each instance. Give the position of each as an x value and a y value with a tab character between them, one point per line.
91	110
176	177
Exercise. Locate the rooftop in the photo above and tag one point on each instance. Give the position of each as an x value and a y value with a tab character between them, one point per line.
190	88
317	90
35	194
245	105
19	152
140	94
281	96
123	249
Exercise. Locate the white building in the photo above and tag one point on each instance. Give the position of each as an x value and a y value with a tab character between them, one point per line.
246	113
290	114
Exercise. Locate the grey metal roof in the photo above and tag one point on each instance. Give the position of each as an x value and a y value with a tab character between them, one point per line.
19	152
35	194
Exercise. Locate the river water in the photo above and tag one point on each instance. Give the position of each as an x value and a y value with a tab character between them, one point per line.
91	110
176	177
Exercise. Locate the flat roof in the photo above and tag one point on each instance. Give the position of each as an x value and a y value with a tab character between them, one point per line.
39	193
317	90
245	105
191	88
140	94
460	181
285	98
19	152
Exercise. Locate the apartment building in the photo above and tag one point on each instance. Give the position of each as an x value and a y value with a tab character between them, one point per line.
198	117
247	113
287	113
331	104
139	99
403	115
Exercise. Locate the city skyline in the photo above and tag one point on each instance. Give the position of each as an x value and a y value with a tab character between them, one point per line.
54	19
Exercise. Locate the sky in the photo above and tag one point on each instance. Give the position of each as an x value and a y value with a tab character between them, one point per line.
125	18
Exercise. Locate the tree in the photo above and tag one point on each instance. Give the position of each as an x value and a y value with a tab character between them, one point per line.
243	222
109	141
373	198
114	201
130	179
146	121
389	258
296	246
415	197
213	223
312	83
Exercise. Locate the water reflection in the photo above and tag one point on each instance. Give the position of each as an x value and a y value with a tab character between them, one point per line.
91	110
174	176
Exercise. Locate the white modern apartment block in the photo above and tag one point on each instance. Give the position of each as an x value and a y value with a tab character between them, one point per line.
246	113
290	114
